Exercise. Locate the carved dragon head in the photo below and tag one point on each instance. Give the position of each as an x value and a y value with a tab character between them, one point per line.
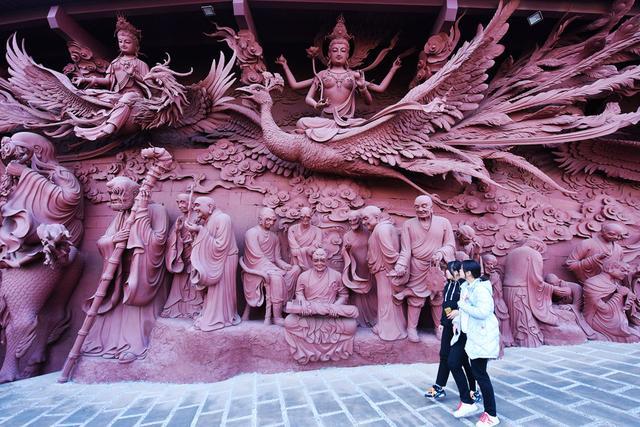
168	96
259	94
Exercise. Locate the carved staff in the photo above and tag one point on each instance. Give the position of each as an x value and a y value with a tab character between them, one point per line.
161	163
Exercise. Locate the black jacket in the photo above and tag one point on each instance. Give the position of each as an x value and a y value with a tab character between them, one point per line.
451	296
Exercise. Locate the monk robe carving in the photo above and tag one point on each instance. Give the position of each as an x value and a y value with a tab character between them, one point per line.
608	304
214	262
321	326
426	241
588	256
35	191
492	269
304	238
266	277
184	300
382	255
138	290
355	274
534	319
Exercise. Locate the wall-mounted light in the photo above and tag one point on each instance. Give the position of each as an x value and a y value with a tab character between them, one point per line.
208	11
535	18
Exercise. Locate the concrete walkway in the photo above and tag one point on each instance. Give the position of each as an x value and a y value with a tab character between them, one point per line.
594	384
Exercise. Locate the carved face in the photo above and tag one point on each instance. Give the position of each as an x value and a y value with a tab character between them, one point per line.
305	217
121	198
370	220
613	233
127	43
424	209
11	151
203	208
618	271
490	264
183	203
339	53
266	220
354	221
319	261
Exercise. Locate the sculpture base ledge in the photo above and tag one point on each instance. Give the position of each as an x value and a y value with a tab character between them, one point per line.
178	353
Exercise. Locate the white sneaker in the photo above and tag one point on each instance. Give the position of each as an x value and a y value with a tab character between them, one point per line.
487	420
465	409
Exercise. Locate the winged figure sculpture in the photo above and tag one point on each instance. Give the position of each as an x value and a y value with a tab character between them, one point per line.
458	120
36	97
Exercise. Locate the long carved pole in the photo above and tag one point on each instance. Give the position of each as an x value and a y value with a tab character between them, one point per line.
161	163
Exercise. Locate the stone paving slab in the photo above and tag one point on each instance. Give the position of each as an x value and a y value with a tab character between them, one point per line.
594	384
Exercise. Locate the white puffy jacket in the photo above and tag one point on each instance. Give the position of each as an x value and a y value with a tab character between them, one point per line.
477	320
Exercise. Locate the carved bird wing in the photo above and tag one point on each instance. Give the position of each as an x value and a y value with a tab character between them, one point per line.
238	140
206	101
38	96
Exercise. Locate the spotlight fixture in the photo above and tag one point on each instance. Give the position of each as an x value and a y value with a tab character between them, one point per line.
533	19
208	11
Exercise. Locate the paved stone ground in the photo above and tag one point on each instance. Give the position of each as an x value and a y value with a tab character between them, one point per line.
594	384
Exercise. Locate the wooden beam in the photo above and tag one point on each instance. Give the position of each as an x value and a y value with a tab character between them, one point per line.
69	29
446	17
244	19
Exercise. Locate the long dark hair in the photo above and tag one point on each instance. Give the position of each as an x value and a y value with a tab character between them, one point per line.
454	266
473	267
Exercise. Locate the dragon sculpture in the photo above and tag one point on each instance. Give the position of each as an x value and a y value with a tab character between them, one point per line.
35	97
452	123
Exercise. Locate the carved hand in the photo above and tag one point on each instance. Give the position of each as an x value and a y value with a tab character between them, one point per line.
192	227
396	64
324	102
15	168
360	81
281	60
121	236
437	257
400	270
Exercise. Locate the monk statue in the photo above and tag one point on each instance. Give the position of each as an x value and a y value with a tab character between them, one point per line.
469	242
214	262
333	91
568	296
320	325
36	193
137	291
535	320
382	254
304	238
266	277
355	274
587	257
492	270
184	300
427	240
609	306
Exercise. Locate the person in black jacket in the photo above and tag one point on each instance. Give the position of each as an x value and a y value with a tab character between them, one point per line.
451	295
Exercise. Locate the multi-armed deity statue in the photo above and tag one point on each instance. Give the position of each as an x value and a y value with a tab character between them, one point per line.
336	274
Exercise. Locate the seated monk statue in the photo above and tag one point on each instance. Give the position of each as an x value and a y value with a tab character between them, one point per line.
266	277
535	320
304	238
320	326
609	306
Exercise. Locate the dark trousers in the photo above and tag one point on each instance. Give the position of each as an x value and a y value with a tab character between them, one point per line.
445	349
479	367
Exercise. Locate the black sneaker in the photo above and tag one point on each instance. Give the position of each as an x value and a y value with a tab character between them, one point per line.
436	392
476	396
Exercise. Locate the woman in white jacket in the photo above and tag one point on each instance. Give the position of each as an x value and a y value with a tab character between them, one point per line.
476	328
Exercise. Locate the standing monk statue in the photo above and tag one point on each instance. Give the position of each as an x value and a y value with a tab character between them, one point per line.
304	238
137	291
355	274
214	262
382	255
184	300
35	190
266	275
589	255
426	241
